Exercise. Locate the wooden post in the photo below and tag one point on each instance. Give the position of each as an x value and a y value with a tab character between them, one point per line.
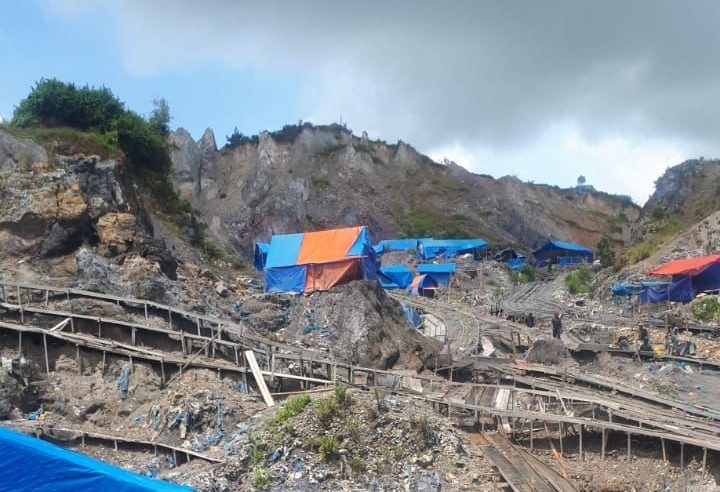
47	361
116	446
532	444
47	298
682	455
604	438
237	358
146	311
170	319
99	328
662	441
198	325
629	455
103	364
704	461
83	439
581	443
20	342
77	356
560	431
133	337
22	312
162	372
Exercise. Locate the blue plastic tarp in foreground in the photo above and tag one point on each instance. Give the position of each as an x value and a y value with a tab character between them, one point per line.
397	245
440	272
261	252
427	249
31	464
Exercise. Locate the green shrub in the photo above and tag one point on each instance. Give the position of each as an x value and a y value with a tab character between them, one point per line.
605	253
342	397
328	448
260	478
706	308
294	406
53	103
578	282
524	275
357	464
257	456
325	409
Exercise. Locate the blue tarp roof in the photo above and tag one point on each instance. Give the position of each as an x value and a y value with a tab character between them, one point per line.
283	250
395	276
398	244
29	464
260	256
436	268
447	248
579	248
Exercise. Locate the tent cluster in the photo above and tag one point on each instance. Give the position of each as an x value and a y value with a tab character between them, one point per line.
686	279
306	262
562	253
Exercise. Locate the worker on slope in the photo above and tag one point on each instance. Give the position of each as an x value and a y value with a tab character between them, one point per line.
557	325
644	339
530	320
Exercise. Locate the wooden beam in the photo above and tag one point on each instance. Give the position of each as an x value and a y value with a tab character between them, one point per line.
250	355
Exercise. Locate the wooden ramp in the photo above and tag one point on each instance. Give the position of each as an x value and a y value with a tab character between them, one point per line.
522	471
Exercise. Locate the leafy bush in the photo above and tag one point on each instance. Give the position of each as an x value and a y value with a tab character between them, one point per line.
605	253
706	308
328	448
54	103
524	275
257	456
294	406
578	282
160	116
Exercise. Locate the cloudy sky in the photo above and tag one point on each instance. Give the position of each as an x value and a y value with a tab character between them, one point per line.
615	90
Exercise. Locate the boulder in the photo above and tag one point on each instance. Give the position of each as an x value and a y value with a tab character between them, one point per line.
116	232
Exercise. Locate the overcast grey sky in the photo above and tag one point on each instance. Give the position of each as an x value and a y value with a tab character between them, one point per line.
614	90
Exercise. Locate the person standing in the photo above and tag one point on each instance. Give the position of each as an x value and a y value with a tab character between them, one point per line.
557	325
530	320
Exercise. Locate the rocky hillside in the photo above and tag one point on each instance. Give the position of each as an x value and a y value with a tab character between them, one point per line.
308	177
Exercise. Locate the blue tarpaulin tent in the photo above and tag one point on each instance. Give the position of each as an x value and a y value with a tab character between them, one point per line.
516	263
261	251
440	272
677	291
552	251
423	285
318	260
427	249
397	245
30	464
395	276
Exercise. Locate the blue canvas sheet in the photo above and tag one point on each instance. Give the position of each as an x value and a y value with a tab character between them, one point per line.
571	260
447	248
28	464
289	279
436	268
412	316
399	244
284	250
678	291
260	257
707	279
395	276
516	263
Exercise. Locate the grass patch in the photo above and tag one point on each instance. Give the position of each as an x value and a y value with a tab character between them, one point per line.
261	478
325	409
328	448
341	395
431	223
662	230
321	182
327	151
68	141
294	406
357	465
578	282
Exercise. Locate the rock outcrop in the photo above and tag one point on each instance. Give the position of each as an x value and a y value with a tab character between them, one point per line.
307	177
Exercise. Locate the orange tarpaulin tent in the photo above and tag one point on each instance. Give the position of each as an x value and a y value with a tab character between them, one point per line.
687	266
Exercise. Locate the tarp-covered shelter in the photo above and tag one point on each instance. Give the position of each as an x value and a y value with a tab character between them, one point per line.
517	263
562	253
260	256
427	249
507	254
423	285
397	245
318	260
688	277
28	463
395	276
440	272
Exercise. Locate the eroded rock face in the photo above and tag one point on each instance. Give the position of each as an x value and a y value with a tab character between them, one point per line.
51	210
116	232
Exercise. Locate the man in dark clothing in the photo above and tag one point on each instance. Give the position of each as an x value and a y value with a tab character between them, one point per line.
530	320
556	326
644	339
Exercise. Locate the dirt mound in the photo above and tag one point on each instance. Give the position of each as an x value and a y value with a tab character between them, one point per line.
546	351
358	322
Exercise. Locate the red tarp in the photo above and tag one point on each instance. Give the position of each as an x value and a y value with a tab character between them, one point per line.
687	266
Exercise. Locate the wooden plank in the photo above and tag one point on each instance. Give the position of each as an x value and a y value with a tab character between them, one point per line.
250	355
